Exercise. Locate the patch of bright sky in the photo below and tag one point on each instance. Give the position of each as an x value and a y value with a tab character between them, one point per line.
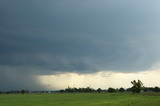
102	79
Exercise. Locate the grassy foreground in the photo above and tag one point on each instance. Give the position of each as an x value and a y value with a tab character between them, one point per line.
80	99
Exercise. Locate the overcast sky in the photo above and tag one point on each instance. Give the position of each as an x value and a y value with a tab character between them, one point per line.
51	37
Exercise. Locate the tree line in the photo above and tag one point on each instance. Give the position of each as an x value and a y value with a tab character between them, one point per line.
15	91
109	90
89	89
137	87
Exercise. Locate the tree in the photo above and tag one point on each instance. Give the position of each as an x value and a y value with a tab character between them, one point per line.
24	91
111	90
69	89
137	86
121	89
88	89
99	90
156	89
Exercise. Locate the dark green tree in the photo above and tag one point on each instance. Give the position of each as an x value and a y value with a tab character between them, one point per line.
111	90
121	89
156	89
137	86
99	90
24	91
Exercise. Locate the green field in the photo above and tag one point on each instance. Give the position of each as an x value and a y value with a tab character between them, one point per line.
81	99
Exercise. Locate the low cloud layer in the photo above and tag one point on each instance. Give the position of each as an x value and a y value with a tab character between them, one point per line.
88	36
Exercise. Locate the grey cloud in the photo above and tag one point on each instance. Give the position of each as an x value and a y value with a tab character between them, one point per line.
89	30
78	36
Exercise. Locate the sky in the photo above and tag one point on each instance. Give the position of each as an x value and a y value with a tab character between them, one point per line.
53	44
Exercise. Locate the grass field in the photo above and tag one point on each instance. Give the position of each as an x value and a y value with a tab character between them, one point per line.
81	99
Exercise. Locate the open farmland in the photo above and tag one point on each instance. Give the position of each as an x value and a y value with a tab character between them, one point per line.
81	99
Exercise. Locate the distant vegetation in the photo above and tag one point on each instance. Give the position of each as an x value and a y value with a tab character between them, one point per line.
136	88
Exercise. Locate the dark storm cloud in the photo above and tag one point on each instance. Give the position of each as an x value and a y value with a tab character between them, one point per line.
78	36
18	78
